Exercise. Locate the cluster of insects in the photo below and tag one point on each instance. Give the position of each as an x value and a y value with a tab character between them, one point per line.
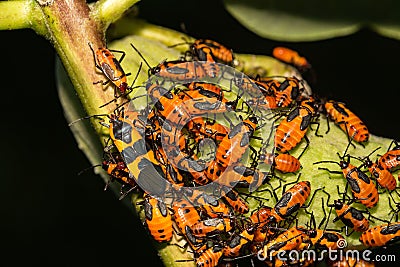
211	139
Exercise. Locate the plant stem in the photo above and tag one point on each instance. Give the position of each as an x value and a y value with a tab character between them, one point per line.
18	15
70	27
106	12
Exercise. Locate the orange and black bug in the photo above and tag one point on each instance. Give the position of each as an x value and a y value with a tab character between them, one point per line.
199	177
177	110
238	242
202	48
210	257
261	215
183	71
183	161
350	216
212	227
126	131
115	166
381	235
291	201
235	175
322	239
234	145
383	176
362	187
227	193
207	128
137	155
184	214
255	93
153	138
243	177
391	159
293	128
281	162
213	207
157	218
233	198
212	172
111	67
291	239
170	171
260	218
347	121
286	92
292	57
207	90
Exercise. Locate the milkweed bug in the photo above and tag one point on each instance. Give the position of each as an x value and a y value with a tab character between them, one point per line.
293	128
362	187
291	200
381	235
350	216
111	67
347	120
206	50
115	166
391	159
235	201
286	92
201	47
212	227
183	71
382	175
107	63
290	56
157	218
239	241
234	145
291	239
210	257
281	162
184	214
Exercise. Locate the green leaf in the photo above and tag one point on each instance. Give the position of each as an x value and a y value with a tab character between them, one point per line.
311	20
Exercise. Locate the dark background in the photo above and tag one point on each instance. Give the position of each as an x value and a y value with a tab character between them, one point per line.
51	216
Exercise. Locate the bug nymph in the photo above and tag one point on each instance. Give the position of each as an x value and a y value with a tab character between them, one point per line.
362	187
347	121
